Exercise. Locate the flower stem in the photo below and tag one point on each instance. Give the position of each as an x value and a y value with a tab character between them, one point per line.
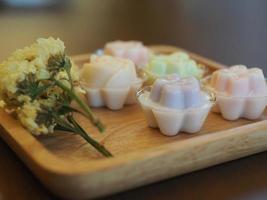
96	122
79	130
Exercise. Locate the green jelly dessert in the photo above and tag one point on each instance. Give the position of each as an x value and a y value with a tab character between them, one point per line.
177	63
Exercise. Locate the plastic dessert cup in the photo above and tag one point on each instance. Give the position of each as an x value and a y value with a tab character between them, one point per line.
113	98
233	108
110	82
173	109
240	92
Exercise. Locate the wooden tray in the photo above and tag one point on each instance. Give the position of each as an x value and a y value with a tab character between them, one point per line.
71	168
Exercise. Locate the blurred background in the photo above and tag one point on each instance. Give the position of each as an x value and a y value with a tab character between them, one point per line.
230	32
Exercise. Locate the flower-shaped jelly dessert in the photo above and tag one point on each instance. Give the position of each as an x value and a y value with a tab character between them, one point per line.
110	81
133	50
240	92
179	63
175	104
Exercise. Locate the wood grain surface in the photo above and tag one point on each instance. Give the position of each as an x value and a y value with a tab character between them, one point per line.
142	154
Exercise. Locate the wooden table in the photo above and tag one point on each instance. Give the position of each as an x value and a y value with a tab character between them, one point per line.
231	32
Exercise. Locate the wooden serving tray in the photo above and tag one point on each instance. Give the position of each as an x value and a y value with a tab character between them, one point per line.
71	168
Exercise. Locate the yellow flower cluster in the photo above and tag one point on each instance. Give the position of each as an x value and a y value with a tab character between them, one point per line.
28	113
15	69
38	84
32	59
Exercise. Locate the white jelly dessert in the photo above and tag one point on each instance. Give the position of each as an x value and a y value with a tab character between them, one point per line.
175	104
110	81
179	63
133	50
240	92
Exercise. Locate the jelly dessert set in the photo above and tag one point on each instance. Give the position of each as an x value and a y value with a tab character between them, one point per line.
175	104
240	92
110	81
175	63
132	50
170	88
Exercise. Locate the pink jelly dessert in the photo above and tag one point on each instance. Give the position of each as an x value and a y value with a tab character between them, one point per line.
132	50
175	104
240	92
